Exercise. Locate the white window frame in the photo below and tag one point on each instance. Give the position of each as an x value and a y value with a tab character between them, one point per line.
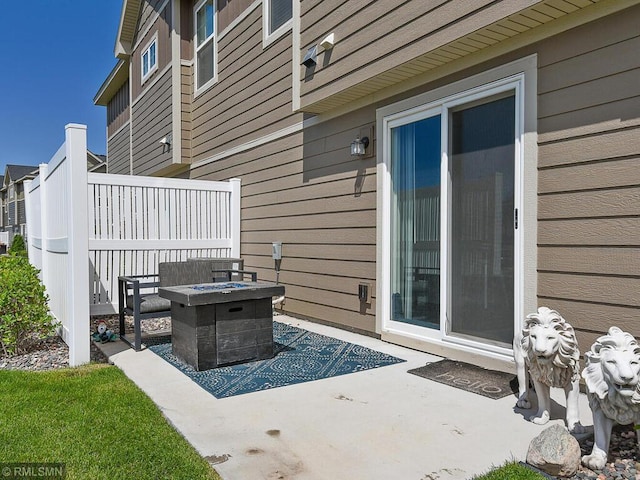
519	76
147	49
196	48
270	37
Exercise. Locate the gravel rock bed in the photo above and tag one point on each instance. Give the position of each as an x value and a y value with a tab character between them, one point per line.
623	457
52	352
48	354
150	325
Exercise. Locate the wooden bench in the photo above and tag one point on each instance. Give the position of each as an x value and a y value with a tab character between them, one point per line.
138	297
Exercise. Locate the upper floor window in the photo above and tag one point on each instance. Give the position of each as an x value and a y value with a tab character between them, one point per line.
11	192
280	12
149	59
278	15
205	42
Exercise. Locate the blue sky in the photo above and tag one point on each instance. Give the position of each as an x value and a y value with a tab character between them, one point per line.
55	54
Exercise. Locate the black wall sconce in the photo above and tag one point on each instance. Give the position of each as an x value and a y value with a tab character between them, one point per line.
359	146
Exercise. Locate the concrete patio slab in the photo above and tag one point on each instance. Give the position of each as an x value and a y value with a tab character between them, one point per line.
377	424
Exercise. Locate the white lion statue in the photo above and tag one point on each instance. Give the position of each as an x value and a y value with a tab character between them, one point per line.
547	350
612	369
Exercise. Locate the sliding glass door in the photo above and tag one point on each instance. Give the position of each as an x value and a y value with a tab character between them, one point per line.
453	168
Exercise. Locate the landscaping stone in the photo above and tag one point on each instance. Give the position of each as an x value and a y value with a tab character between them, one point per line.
555	451
52	353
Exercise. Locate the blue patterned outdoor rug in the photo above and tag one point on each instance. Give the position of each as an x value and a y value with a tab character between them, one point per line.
300	356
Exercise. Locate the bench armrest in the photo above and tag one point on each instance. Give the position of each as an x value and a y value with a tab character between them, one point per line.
138	281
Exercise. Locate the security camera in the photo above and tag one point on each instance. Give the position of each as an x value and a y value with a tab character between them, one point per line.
165	141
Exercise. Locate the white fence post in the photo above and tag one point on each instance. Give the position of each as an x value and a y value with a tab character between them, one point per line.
78	244
235	217
44	256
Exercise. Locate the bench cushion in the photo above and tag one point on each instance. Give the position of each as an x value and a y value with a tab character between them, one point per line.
150	303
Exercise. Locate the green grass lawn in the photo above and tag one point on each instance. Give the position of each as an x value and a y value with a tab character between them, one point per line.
95	421
511	471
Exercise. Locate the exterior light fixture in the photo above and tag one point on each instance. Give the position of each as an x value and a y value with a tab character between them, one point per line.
328	41
310	58
166	143
359	146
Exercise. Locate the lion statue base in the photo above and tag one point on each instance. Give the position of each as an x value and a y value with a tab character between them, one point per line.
547	352
611	373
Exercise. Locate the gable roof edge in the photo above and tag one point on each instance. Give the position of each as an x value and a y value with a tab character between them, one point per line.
127	28
117	77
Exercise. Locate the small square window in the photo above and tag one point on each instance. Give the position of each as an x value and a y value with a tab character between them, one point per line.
149	59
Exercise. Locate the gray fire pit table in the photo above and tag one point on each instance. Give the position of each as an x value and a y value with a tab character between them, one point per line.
215	324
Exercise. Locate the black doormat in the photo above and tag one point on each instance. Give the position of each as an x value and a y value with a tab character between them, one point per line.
489	383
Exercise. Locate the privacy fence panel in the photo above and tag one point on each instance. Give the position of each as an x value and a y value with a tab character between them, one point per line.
86	229
137	222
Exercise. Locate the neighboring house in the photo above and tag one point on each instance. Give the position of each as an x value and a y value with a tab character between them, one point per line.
501	171
96	163
12	206
4	237
2	219
14	219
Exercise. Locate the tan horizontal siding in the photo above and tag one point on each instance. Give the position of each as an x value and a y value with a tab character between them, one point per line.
252	95
151	121
590	93
330	236
376	36
244	121
598	203
342	203
609	174
604	62
595	317
621	291
229	10
359	252
589	181
592	37
328	220
591	260
319	266
348	319
118	153
602	118
602	231
321	204
608	145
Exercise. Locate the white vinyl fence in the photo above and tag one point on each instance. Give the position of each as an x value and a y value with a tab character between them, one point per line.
57	240
137	222
125	225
